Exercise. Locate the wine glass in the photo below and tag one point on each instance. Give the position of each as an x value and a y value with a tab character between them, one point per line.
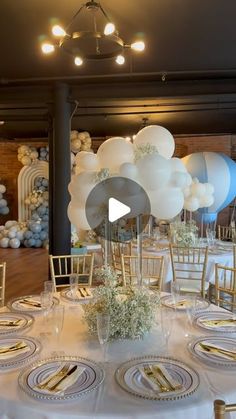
167	323
175	291
74	280
57	324
103	330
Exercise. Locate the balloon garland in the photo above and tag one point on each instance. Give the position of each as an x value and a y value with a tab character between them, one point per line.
4	209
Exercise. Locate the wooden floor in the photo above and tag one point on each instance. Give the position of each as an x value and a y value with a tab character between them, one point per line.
26	270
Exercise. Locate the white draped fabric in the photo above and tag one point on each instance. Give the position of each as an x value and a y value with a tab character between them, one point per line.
109	401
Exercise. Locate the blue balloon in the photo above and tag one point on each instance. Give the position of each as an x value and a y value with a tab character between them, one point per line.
38	243
28	234
219	170
46	218
31	242
35	227
45	182
43	235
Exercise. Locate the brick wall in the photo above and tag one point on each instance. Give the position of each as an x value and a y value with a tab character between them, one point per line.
10	167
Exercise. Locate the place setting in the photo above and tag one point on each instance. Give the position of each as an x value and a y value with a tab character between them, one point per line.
76	292
216	321
157	378
29	304
183	301
17	350
214	350
11	322
61	378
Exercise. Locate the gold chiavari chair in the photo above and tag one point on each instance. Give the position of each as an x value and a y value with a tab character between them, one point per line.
220	408
152	270
118	249
234	255
61	267
226	233
225	287
189	268
2	283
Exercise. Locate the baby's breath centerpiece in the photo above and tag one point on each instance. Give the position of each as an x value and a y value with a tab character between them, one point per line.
131	309
184	233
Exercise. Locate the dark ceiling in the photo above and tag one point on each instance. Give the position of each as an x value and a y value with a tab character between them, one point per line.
191	43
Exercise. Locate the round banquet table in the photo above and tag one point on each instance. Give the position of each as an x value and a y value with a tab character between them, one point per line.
109	400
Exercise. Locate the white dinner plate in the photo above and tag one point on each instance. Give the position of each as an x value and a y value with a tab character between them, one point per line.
208	320
17	358
91	377
128	376
17	304
14	322
183	302
210	357
66	293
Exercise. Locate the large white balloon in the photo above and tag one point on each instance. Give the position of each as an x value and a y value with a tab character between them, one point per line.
177	165
87	161
154	171
81	186
166	203
77	216
129	170
158	136
178	179
114	152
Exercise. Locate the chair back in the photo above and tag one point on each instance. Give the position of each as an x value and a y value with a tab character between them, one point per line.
152	270
61	267
189	268
2	283
226	233
118	249
225	286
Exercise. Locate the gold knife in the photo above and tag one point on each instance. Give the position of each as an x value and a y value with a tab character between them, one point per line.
158	370
219	350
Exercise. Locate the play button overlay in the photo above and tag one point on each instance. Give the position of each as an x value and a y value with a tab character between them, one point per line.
114	206
116	210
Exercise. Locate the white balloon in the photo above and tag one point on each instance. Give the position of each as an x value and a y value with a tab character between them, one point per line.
186	191
26	161
83	135
14	243
177	165
188	179
191	204
3	203
4	242
159	137
87	161
129	170
178	179
73	135
154	171
34	155
23	149
206	201
166	203
12	234
81	185
114	152
10	223
209	188
77	216
198	189
75	145
72	158
2	188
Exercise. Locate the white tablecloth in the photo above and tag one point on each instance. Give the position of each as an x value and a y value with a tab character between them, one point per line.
109	401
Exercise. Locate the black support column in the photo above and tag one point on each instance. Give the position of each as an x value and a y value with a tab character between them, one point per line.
59	173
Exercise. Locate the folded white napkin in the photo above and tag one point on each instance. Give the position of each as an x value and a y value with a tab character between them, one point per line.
215	323
155	387
62	384
8	324
180	303
216	353
7	353
29	304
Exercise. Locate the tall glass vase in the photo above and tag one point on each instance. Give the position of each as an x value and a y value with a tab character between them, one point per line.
139	249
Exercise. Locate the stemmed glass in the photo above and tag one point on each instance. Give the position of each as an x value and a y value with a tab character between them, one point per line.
103	330
74	280
57	324
190	313
175	291
167	323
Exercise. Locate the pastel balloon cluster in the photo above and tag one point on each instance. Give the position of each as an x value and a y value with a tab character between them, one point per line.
27	155
198	195
12	234
80	141
148	161
44	153
36	234
4	209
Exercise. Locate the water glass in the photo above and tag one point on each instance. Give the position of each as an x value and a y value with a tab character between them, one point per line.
175	291
57	318
167	324
190	313
211	236
74	280
48	286
46	300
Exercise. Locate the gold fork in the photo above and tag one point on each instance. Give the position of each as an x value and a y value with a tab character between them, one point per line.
148	371
11	348
60	373
208	348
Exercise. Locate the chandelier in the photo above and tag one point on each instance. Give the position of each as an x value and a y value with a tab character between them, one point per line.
91	45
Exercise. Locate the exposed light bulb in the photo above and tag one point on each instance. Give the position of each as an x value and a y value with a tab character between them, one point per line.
120	59
78	61
128	138
138	46
47	48
2	122
57	30
109	28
